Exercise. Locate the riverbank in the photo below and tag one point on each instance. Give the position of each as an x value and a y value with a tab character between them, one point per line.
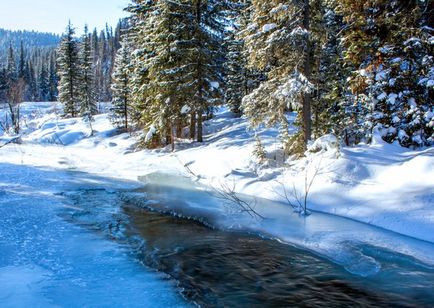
380	184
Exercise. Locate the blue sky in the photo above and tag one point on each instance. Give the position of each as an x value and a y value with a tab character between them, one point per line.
53	15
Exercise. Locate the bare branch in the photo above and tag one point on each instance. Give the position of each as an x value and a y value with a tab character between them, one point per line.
229	195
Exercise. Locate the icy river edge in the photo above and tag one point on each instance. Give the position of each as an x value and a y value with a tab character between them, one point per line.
380	184
47	261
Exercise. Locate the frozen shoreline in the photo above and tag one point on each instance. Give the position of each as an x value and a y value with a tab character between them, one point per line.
382	185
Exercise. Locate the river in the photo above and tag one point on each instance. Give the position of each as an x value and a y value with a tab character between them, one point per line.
216	267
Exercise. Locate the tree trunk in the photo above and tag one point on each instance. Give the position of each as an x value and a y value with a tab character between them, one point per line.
126	113
169	134
172	138
199	79
200	127
193	125
178	128
307	98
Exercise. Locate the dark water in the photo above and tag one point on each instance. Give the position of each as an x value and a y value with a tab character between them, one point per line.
233	269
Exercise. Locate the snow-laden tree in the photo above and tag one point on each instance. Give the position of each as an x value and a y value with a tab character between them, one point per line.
53	78
389	46
87	97
68	65
44	84
279	40
178	62
120	113
236	74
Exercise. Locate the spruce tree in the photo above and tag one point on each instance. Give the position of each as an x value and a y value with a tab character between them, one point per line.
279	39
69	72
121	88
22	62
388	46
53	79
11	67
86	91
44	85
178	62
236	76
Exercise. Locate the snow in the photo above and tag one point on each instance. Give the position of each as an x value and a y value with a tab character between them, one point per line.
379	194
299	32
185	109
48	262
268	27
150	134
278	9
293	87
392	98
382	96
214	85
325	143
382	75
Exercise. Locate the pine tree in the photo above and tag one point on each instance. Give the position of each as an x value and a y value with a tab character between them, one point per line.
236	75
121	88
22	62
68	69
11	68
388	48
44	85
156	98
86	92
179	60
3	84
208	29
279	39
53	79
330	108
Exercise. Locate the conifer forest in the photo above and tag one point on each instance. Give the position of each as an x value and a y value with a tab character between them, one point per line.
217	153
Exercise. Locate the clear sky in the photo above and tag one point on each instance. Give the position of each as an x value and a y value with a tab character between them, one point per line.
53	15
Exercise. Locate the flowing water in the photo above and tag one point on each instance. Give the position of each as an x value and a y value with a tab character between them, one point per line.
215	268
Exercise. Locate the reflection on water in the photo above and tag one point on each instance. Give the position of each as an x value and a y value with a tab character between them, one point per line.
217	268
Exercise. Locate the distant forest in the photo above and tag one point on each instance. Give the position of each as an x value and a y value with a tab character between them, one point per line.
31	56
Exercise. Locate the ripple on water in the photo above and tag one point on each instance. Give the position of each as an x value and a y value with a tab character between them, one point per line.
217	268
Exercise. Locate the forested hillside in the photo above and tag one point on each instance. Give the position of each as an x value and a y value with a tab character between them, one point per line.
30	40
29	66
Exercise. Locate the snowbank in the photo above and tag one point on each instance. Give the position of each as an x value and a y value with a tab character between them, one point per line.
382	184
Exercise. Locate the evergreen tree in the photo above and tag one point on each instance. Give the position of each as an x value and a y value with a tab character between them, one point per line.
86	92
44	85
11	68
178	63
31	81
3	84
388	46
53	79
279	39
68	70
121	88
22	64
236	76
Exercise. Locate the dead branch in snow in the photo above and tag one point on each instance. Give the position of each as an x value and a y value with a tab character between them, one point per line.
298	198
228	195
12	140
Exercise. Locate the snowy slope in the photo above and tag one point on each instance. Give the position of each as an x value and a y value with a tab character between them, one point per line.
381	184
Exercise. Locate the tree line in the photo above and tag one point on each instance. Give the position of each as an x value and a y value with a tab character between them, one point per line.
29	66
349	68
354	69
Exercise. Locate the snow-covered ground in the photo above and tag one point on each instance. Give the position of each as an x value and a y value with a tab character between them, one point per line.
381	185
